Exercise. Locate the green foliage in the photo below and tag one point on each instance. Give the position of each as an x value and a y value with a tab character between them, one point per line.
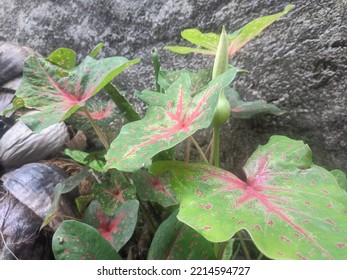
208	42
173	237
118	228
58	91
292	208
79	241
288	207
170	118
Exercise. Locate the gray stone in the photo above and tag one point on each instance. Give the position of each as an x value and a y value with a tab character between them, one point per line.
298	63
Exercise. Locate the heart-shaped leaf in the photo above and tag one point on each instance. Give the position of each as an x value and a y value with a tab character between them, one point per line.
208	42
292	208
247	109
58	92
170	118
112	193
118	228
155	189
78	241
176	241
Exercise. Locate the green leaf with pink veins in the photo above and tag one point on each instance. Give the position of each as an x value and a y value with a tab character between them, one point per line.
292	208
58	92
171	118
208	42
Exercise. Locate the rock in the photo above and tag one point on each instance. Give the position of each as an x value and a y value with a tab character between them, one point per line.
26	195
12	58
19	145
298	63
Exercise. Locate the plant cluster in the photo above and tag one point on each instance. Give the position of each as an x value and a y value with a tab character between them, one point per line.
287	208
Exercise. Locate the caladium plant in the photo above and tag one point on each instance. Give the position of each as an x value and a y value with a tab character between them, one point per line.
208	42
287	207
291	208
57	89
171	118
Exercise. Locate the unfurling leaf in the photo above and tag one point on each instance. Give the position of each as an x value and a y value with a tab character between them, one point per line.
170	118
292	208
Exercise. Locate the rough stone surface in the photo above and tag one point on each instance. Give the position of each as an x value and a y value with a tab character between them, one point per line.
299	63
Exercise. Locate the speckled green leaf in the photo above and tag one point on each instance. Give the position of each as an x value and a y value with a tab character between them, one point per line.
78	241
103	113
248	109
155	189
118	228
174	240
292	208
170	118
199	80
58	92
113	192
63	57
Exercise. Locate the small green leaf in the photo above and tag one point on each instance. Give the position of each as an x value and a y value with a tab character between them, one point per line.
63	57
154	189
292	208
82	158
247	109
171	118
340	177
96	50
118	228
187	50
83	201
78	241
112	193
176	241
122	103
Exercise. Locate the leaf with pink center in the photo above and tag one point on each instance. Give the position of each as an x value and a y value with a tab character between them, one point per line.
118	228
292	208
153	188
58	92
103	113
113	192
170	118
78	241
